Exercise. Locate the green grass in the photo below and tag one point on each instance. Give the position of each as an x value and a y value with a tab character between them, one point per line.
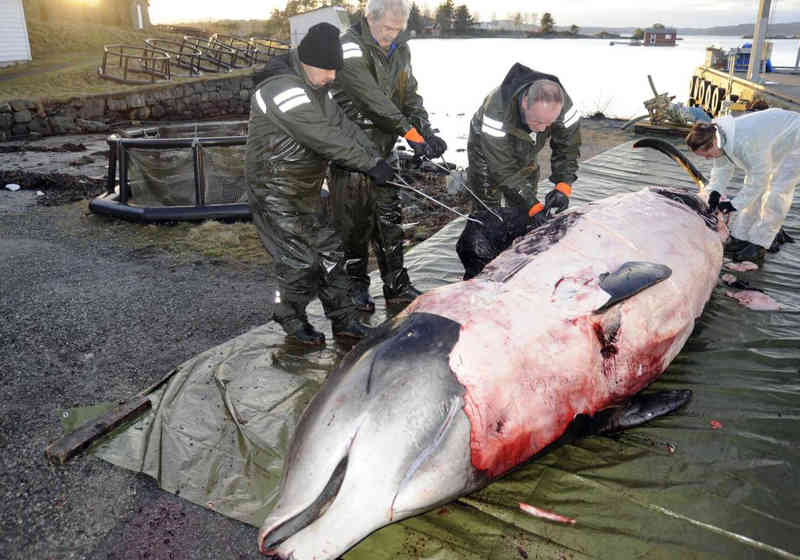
236	242
65	61
49	39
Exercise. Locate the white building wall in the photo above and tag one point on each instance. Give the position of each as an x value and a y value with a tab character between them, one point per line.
14	43
301	23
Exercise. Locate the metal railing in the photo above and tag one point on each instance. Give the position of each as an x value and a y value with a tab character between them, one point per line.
264	49
134	65
240	47
181	54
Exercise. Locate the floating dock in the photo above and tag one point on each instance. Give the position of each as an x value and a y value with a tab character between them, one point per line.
709	87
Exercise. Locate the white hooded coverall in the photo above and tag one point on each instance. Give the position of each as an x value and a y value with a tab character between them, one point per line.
766	145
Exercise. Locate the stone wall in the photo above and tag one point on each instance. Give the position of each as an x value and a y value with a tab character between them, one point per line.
197	100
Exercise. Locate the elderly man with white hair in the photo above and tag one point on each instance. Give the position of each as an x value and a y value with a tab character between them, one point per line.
377	89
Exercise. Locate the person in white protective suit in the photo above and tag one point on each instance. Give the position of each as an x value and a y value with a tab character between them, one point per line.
766	145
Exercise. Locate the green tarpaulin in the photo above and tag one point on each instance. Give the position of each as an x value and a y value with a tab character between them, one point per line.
718	479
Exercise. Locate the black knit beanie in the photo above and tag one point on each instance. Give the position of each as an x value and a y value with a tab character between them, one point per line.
321	47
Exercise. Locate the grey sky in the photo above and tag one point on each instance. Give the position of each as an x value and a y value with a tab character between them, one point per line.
594	13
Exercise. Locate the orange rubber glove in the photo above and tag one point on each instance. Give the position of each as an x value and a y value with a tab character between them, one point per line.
414	136
536	214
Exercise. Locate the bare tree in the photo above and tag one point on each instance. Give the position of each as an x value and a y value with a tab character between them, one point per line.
445	14
415	21
462	19
547	24
517	19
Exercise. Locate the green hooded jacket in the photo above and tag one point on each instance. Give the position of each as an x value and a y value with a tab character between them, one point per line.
378	90
295	130
502	150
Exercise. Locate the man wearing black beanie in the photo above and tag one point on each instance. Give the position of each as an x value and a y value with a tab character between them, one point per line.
321	47
295	129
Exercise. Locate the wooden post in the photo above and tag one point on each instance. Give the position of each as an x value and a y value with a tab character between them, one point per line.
759	36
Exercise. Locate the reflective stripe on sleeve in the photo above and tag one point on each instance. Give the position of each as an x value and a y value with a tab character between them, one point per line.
288	94
492	127
492	132
260	101
497	125
571	117
294	102
351	50
289	99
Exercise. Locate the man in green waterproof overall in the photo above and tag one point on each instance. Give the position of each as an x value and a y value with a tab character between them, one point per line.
507	132
295	129
377	89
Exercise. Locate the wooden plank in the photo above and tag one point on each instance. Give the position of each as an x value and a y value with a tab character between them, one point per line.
64	449
645	127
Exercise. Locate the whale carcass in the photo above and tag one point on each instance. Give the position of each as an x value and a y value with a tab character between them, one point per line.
474	378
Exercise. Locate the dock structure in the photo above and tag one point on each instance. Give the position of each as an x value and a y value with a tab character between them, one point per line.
741	78
710	87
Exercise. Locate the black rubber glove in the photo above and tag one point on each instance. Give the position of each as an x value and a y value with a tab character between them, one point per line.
420	149
713	201
381	173
714	204
537	215
417	143
557	200
436	146
726	207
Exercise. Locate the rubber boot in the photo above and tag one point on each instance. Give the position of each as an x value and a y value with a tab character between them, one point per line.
361	299
403	296
751	252
307	335
399	290
734	245
781	238
352	329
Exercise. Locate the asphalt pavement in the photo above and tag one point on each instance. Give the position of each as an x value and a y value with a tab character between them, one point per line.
87	315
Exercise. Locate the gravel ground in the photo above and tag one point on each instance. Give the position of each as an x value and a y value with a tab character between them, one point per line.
88	314
86	318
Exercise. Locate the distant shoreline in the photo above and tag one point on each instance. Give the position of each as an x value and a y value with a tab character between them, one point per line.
516	35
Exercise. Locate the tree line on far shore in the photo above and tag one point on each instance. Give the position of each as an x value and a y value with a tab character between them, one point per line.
447	20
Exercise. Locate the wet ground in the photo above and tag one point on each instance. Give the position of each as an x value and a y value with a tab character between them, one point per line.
92	314
63	168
